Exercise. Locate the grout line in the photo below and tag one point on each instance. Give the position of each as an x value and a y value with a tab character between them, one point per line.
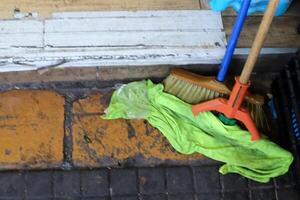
67	142
139	196
109	183
249	189
52	183
80	184
194	181
166	182
24	176
275	189
221	182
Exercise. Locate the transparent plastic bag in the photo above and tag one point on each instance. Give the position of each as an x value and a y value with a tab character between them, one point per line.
255	6
131	100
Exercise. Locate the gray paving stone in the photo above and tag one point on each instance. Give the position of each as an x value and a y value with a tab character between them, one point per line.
38	184
207	179
179	180
244	195
153	197
123	182
12	185
288	194
257	185
233	182
94	183
181	197
152	180
268	194
286	180
66	184
125	198
94	198
210	196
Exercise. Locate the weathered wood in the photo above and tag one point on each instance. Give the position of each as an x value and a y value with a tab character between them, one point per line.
133	21
23	33
135	39
142	28
113	39
46	7
283	31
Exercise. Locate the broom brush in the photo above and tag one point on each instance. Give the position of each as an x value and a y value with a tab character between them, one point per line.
193	88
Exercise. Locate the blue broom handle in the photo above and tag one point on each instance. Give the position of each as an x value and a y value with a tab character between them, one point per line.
239	22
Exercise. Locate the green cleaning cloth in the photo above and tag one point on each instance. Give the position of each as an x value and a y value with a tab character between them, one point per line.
205	133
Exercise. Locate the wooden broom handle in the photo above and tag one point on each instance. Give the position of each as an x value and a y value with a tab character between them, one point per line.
258	41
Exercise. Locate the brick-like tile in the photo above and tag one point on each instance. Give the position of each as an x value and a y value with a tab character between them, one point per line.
207	179
95	103
123	182
181	196
66	184
240	195
263	194
38	184
285	180
94	183
210	196
94	198
133	197
257	185
98	142
234	182
179	180
288	194
152	180
154	197
12	185
32	129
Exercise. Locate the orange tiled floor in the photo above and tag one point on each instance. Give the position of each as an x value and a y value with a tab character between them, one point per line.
32	128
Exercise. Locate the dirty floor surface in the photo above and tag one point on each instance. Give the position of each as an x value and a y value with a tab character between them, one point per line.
64	150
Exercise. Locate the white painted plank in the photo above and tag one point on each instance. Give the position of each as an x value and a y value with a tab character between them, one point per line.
199	39
50	54
113	39
21	40
214	16
170	23
21	33
21	26
33	59
111	57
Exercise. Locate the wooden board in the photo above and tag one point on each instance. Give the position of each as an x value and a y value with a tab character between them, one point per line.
46	7
24	33
121	38
283	31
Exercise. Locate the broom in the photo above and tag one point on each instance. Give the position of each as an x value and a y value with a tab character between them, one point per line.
231	108
193	88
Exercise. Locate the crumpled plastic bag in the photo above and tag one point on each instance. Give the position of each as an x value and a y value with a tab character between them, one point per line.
205	134
255	6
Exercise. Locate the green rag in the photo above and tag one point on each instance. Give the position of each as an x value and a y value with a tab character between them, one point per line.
205	133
